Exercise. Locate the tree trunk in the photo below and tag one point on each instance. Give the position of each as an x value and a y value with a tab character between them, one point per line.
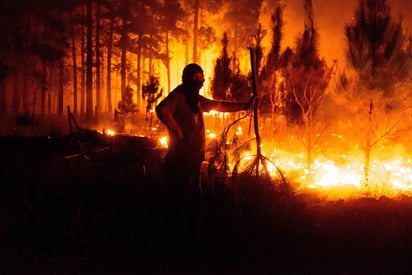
368	145
24	93
48	91
60	94
167	61
89	64
123	45
308	129
74	63
186	51
83	66
3	98
139	72
109	68
43	90
16	93
195	29
98	100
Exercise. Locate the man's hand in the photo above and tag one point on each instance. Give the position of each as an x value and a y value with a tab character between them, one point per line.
252	102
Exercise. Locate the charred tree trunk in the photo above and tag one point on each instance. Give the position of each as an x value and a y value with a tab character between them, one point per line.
195	29
167	61
3	104
368	146
255	113
83	66
48	90
123	46
139	72
43	89
97	43
60	89
89	62
74	64
109	68
15	90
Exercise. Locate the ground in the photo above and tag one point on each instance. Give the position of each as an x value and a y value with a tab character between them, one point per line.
90	204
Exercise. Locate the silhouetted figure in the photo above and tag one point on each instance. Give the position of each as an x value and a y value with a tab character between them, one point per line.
182	113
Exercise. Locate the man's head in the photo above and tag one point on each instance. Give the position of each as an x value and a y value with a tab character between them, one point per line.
193	76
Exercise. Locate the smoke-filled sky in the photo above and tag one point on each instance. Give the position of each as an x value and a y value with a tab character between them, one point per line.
330	18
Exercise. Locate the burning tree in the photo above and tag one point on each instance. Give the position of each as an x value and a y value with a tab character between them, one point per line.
306	78
228	84
270	78
221	81
381	55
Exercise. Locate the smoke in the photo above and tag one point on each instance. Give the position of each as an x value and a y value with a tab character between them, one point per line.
330	18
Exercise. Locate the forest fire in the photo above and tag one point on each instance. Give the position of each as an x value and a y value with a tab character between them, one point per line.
110	132
300	88
340	178
334	172
333	175
312	175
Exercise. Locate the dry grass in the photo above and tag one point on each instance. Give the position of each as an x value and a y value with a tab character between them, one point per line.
69	205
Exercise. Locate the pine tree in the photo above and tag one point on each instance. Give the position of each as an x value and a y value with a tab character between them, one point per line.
222	79
269	72
378	48
380	53
306	79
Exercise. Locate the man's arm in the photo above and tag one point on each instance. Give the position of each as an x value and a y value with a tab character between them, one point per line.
227	106
164	113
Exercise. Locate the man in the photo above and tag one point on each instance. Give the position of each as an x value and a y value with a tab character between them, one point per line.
182	113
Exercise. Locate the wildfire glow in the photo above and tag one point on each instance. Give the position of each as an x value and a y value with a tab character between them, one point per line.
386	177
163	141
110	132
335	176
211	135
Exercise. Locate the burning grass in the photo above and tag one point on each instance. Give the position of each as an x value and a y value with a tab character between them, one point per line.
335	166
82	204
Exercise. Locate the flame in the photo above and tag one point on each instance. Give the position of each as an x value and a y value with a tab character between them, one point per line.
211	135
337	170
335	175
163	141
346	177
110	132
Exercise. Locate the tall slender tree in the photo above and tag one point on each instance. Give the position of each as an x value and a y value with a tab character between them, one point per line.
381	54
273	94
242	31
307	76
98	58
89	61
74	62
377	47
171	14
222	76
